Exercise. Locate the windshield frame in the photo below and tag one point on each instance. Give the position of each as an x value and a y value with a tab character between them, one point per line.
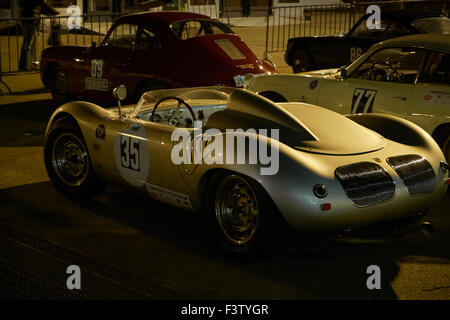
152	97
431	19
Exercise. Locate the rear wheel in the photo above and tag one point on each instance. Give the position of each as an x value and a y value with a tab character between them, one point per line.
59	85
241	215
68	163
300	61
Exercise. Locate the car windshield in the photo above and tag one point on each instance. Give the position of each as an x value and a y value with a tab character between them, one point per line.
204	101
188	29
388	29
433	25
391	64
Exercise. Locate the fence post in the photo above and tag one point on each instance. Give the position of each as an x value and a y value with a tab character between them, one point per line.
269	10
1	74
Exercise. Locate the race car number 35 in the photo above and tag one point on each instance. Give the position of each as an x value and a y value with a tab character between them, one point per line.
132	155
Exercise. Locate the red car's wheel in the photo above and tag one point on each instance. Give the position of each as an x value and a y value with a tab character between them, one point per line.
59	85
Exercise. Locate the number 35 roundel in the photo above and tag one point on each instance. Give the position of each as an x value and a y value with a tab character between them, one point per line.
131	153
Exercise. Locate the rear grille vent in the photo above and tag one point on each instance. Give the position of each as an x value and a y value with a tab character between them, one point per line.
366	183
416	172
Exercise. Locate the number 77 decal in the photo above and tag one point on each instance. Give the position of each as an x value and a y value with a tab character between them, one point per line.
362	100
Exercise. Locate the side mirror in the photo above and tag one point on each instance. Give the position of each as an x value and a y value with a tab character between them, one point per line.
343	73
120	93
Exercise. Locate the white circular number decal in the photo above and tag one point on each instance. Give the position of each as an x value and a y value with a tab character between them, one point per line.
132	155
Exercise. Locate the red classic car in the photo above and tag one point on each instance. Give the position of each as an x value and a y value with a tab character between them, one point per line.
148	51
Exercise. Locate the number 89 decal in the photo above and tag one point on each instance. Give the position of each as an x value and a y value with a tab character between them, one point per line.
362	100
129	152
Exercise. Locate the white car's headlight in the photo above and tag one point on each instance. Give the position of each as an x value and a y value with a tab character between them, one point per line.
238	80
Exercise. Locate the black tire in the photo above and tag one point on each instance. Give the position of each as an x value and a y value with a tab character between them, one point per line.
442	137
58	85
241	238
300	61
273	96
68	162
148	85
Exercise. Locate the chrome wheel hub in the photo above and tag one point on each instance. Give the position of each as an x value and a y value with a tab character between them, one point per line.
236	209
70	159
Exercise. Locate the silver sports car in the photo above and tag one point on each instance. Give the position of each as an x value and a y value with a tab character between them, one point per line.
249	164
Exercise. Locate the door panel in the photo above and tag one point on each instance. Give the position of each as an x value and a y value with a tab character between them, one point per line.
383	82
430	105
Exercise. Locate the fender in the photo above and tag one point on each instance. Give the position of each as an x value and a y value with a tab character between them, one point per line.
396	129
82	112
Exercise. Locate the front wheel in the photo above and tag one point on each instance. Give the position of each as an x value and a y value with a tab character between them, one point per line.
241	215
68	163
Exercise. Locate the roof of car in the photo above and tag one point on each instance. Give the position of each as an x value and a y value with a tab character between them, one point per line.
162	17
439	42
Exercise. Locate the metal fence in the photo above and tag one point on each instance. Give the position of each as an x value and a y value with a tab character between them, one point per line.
39	34
288	22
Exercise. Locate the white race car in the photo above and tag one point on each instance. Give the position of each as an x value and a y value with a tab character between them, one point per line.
406	76
344	178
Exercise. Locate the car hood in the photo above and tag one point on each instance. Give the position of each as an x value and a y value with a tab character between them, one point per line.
302	126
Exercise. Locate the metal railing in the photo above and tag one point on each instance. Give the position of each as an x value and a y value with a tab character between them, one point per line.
303	21
288	22
38	33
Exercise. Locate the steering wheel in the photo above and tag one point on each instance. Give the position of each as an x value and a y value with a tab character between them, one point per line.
180	101
377	71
